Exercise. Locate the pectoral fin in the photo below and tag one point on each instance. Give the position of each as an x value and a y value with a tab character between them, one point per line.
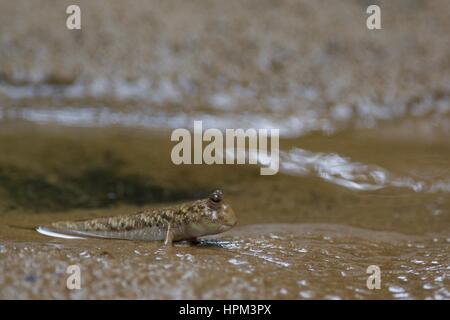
169	236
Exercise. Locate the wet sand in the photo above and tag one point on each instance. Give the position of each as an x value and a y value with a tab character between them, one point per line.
271	261
297	238
85	123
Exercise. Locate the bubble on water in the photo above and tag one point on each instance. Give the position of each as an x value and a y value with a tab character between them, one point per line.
85	254
283	291
332	297
307	294
161	251
396	289
187	257
428	286
302	282
416	261
403	278
402	295
310	268
439	279
236	262
275	261
302	250
274	236
137	252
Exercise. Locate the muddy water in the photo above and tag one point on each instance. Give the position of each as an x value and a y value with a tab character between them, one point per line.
85	123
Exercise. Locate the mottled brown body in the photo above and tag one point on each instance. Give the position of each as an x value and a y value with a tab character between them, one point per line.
180	222
160	218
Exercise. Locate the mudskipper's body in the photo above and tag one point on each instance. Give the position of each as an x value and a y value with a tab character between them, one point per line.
183	222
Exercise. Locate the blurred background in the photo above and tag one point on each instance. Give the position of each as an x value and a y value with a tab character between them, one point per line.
364	115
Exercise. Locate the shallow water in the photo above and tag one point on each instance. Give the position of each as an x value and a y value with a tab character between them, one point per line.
364	118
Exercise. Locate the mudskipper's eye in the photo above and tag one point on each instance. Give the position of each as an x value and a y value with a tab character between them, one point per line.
216	196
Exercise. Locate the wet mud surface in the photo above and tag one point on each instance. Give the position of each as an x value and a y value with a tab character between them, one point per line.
270	261
364	119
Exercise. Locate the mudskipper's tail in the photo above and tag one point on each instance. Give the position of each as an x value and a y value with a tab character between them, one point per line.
51	232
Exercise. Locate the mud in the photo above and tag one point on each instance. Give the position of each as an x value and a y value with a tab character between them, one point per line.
364	117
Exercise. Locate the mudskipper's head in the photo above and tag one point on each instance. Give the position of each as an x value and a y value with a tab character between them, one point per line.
215	215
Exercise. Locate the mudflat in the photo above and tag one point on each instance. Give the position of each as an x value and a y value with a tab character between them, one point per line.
364	118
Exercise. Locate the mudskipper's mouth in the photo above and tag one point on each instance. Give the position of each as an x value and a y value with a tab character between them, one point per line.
227	226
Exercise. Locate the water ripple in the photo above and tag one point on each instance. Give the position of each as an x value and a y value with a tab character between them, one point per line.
342	171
